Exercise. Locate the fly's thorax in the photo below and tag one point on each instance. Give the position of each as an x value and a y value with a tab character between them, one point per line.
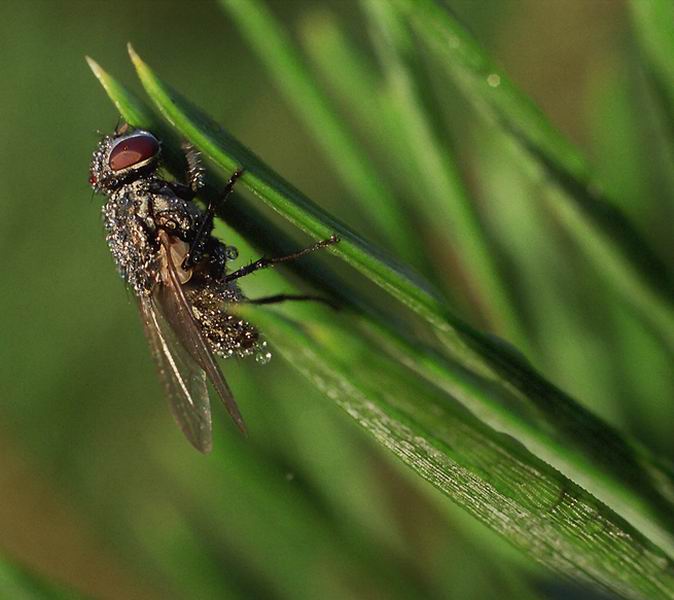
174	214
130	237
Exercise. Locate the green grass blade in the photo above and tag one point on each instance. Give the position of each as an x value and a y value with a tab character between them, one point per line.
129	106
491	476
653	21
287	68
631	482
446	202
609	240
361	92
356	84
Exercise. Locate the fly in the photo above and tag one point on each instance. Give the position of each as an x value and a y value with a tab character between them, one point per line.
164	249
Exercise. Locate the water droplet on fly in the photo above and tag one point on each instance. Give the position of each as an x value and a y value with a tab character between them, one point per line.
231	252
263	355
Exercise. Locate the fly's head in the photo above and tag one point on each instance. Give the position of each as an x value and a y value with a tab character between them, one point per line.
122	158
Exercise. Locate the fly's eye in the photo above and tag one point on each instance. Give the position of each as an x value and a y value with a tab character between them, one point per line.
135	150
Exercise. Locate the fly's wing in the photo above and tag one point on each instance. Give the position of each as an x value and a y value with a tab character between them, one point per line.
176	310
183	379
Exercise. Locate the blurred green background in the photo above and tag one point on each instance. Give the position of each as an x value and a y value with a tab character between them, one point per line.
98	489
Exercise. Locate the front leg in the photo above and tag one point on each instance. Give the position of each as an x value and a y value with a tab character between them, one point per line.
195	168
200	242
194	175
182	190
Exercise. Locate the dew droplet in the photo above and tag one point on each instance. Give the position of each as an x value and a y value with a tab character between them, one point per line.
263	357
493	80
231	252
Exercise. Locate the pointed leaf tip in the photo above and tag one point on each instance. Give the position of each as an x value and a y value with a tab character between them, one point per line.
94	66
133	54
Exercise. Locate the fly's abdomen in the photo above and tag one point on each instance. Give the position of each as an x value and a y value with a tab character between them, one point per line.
228	335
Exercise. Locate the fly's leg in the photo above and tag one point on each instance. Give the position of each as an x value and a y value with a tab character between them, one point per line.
218	255
195	169
201	243
182	190
264	262
277	298
194	175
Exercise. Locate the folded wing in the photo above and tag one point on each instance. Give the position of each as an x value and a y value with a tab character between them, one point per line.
175	309
184	380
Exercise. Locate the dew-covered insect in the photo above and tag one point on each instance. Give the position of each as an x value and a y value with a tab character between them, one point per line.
178	271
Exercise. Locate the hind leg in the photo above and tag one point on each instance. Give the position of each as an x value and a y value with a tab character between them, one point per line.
264	263
278	298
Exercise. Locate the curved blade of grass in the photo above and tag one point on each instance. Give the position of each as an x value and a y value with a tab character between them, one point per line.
358	88
446	201
633	484
609	240
287	68
654	24
494	478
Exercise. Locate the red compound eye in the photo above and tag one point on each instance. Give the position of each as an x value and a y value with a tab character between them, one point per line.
134	150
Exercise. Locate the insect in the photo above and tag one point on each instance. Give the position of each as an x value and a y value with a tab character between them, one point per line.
164	249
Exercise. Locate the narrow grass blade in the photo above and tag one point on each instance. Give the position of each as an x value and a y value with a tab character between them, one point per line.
363	98
653	21
446	202
490	475
131	108
610	241
360	91
373	195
